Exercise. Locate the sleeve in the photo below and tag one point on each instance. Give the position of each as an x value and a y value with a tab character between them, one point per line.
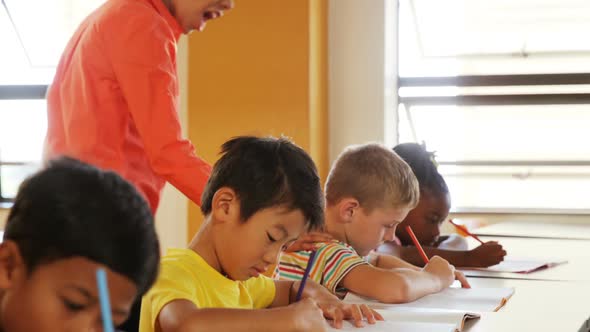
173	283
337	261
262	291
143	55
454	242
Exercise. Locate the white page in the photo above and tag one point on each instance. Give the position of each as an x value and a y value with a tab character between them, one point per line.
468	300
427	315
391	326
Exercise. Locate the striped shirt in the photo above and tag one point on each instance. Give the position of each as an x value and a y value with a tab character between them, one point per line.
333	262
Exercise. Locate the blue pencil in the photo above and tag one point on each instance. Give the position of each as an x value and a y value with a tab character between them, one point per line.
305	275
105	304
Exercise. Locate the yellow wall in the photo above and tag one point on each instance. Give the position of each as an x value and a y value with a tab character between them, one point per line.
318	85
259	70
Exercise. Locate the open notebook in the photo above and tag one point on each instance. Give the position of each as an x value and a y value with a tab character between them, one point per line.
416	320
389	326
461	299
519	265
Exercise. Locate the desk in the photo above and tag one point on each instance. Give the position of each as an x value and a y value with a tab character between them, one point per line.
540	229
545	304
576	252
535	306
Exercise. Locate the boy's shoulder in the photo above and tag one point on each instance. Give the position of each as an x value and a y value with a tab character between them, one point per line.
187	265
335	246
328	255
334	260
184	262
323	250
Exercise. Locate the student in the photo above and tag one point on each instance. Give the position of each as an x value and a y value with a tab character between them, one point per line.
427	218
67	221
262	194
369	191
114	99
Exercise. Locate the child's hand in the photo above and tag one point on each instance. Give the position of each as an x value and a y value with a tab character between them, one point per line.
462	279
308	241
334	309
441	270
308	316
337	311
452	242
487	254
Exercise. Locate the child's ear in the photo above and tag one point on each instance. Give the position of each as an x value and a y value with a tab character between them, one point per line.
11	264
347	208
225	205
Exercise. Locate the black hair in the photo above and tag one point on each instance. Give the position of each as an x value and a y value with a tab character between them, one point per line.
72	209
423	164
267	172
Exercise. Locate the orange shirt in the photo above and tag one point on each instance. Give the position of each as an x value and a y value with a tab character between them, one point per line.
114	99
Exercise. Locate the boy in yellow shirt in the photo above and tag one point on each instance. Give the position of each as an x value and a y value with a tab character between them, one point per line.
262	194
369	191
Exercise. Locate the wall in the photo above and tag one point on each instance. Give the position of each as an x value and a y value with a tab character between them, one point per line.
172	214
362	72
258	71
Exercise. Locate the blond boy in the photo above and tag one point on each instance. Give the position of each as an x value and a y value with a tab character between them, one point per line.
369	191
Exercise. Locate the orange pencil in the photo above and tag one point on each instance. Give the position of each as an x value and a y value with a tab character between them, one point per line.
464	230
417	244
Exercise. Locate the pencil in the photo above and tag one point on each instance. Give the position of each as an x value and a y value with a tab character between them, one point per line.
305	275
103	297
417	244
464	230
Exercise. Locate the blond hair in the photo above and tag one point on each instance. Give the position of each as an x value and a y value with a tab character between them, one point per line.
375	176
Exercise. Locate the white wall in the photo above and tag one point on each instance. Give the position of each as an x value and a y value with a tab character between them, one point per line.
172	215
361	72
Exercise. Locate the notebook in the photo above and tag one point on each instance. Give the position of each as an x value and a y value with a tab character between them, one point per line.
412	319
388	326
462	299
520	265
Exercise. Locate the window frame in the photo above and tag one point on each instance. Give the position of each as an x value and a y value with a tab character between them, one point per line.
467	99
18	92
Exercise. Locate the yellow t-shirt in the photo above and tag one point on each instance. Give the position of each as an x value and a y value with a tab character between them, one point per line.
184	275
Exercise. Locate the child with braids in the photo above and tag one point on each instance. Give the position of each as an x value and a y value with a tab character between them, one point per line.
427	218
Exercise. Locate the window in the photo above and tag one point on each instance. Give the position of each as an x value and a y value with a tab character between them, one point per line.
501	91
32	43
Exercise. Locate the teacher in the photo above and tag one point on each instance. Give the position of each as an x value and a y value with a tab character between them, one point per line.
114	99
